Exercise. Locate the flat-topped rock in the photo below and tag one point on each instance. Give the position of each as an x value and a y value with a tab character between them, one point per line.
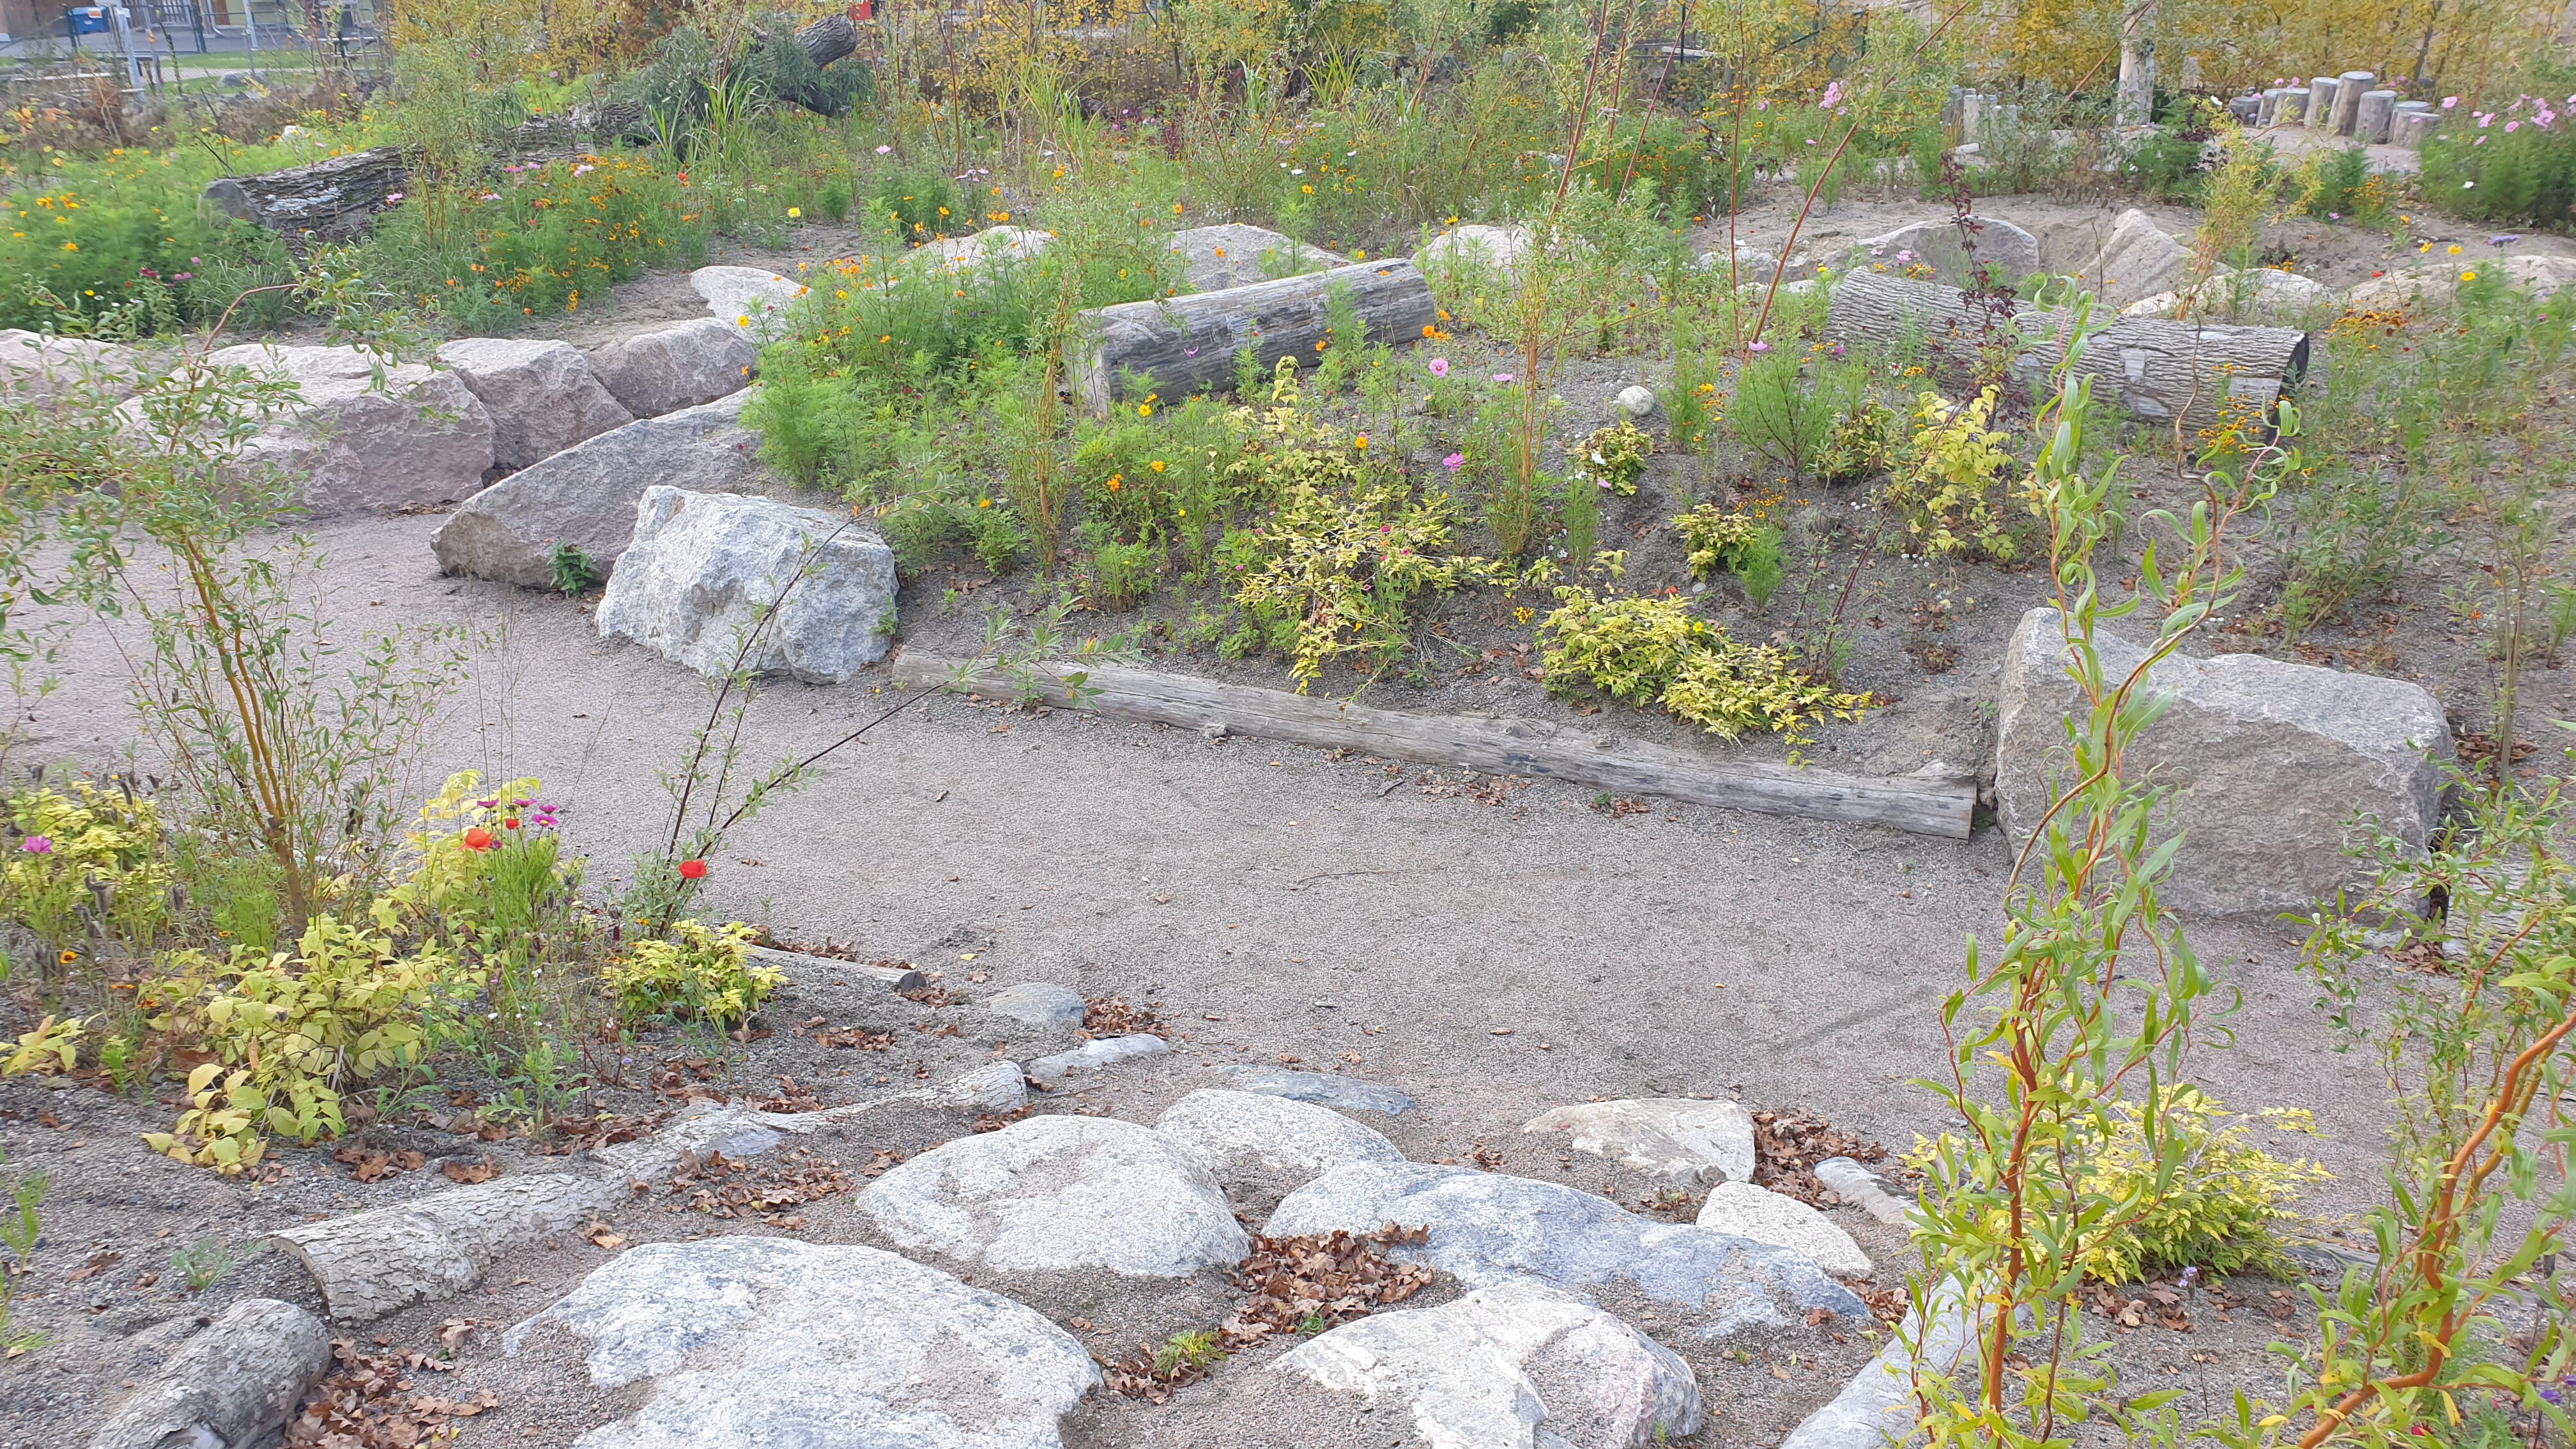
2269	762
2138	261
2266	296
1235	255
1057	1193
770	1343
704	568
1498	248
1678	1138
542	396
1091	1056
1509	1367
1330	1088
1956	253
993	246
1258	1145
1488	1228
1783	1222
1038	1003
585	496
745	296
35	367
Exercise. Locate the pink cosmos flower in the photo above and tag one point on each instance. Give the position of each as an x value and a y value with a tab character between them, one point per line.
1760	347
37	845
1454	462
1833	95
2450	101
1440	367
1502	377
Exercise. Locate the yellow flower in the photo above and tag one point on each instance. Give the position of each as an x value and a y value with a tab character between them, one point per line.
1144	410
71	246
1176	208
1156	465
742	321
2468	276
1309	190
1523	614
2455	249
1114	480
983	502
1360	442
794	212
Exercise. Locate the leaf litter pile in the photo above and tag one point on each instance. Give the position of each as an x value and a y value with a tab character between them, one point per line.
1112	1016
1298	1286
1788	1145
721	1187
369	1402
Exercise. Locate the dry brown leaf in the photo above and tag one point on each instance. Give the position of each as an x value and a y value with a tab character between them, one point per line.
480	1171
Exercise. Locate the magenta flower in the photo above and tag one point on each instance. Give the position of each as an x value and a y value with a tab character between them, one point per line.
1502	377
2450	101
1833	96
1760	347
1454	462
37	845
1440	367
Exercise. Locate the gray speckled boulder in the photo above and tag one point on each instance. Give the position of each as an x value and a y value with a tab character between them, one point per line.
1330	1088
704	567
1216	257
767	1342
1671	1137
1508	1367
1038	1003
1256	1143
669	368
586	495
2271	764
416	439
2002	250
542	396
1057	1193
1490	1228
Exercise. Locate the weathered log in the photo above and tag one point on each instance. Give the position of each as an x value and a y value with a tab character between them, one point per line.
2157	369
1182	345
382	1260
235	1381
1924	804
834	37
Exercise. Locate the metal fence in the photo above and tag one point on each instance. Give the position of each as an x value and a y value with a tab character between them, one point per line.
160	43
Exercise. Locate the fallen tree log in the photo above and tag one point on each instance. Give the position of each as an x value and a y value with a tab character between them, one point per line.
235	1381
1182	345
2159	370
1924	804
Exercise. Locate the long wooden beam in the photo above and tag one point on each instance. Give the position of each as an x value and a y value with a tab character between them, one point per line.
1925	804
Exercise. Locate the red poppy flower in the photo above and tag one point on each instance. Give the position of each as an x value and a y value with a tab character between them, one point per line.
510	824
478	838
693	870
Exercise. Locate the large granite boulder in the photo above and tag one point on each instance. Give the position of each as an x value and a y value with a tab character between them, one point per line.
2436	278
761	1343
1259	1145
1348	1094
1214	258
2275	767
1053	1194
542	395
1782	1221
1508	1367
669	368
1489	1227
993	246
2137	262
2002	251
2262	296
1678	1138
1497	248
417	439
38	368
704	568
585	496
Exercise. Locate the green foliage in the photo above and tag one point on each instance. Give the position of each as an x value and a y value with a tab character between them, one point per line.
22	1224
1946	499
1863	442
537	240
1612	458
123	235
1196	1349
52	1046
1117	576
207	1262
573	570
698	972
1652	650
90	854
1741	544
2211	1198
2522	176
1787	407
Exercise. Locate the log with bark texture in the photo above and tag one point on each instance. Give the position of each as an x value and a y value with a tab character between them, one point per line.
1187	344
2155	368
382	1260
233	1382
1924	804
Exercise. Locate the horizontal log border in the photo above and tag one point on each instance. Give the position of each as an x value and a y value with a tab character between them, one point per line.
1940	805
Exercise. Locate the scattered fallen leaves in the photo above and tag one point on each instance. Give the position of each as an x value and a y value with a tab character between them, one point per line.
98	1263
881	1159
1496	789
1309	1283
1679	1204
1787	1145
687	1079
368	1166
601	1235
2158	1305
484	1169
571	1134
793	1096
367	1403
1112	1016
1614	807
721	1187
847	1038
1886	1304
1152	1373
996	1121
1488	1158
933	994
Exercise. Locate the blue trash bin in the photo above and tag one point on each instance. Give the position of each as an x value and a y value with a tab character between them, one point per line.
87	20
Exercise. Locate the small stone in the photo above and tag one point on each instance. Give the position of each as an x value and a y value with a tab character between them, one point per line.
752	1343
1038	1003
1257	1144
1093	1055
1636	401
1051	1194
1669	1137
1508	1367
1782	1221
703	569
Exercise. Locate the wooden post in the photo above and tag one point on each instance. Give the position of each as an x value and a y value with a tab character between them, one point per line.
2347	106
2321	96
2135	102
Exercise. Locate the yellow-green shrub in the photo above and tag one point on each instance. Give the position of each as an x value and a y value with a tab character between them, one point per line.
345	1006
1947	496
1652	650
699	971
54	1046
1738	543
69	848
2218	1210
459	843
1613	457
